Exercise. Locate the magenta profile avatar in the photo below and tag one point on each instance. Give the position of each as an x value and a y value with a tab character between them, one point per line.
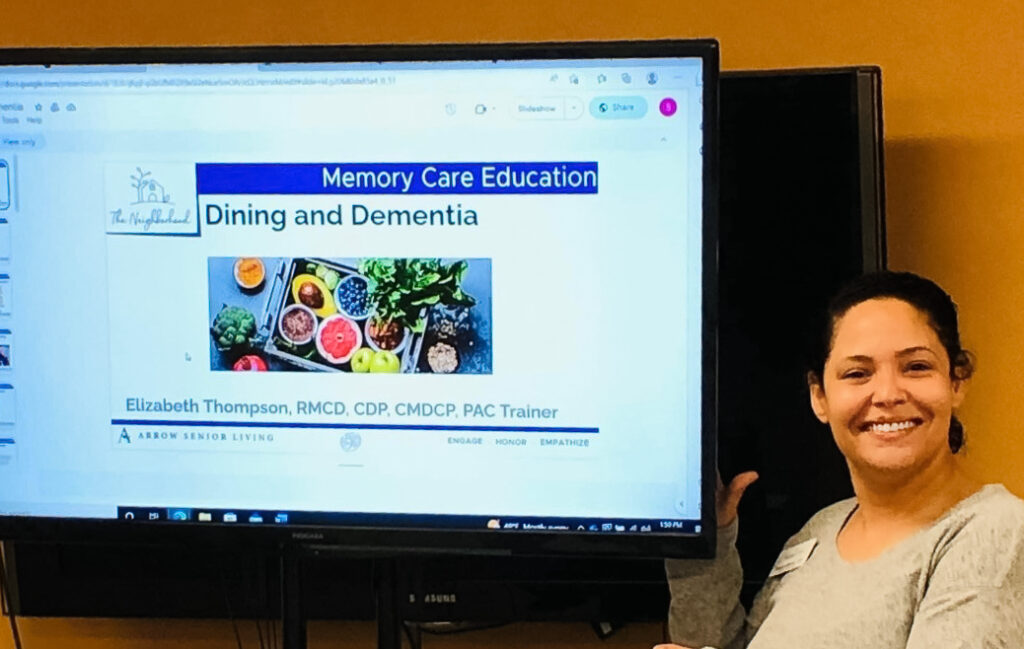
668	107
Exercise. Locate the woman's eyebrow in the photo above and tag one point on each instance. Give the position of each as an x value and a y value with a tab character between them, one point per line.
913	350
859	358
909	351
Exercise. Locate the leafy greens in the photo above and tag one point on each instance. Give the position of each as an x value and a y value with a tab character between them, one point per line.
402	288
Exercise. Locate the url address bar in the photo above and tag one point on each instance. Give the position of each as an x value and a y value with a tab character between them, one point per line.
197	82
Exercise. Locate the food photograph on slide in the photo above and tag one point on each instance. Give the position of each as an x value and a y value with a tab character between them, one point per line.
364	316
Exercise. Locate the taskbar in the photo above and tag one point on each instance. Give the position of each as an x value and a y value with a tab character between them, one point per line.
273	517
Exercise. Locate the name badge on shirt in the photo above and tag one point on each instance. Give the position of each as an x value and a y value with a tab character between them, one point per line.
793	558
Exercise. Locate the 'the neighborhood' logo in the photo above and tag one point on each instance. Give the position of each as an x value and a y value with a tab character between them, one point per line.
149	190
148	208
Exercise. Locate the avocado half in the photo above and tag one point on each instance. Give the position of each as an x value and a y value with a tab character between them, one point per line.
327	308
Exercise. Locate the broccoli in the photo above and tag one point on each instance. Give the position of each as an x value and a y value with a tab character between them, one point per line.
233	327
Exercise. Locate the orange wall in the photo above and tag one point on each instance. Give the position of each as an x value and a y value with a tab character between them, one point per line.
954	121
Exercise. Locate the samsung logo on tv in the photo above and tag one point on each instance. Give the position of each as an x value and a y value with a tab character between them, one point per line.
439	598
307	536
435	598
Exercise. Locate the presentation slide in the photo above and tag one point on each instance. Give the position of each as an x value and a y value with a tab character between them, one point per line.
453	290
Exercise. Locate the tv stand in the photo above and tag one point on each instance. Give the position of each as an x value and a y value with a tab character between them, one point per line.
293	617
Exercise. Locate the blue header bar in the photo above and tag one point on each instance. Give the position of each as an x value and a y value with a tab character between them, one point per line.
398	178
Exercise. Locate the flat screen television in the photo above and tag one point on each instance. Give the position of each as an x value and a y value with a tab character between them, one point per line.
419	297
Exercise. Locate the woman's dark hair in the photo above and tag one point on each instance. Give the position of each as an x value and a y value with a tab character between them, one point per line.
924	295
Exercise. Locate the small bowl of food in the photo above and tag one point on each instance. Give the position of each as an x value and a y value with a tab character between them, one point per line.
297	324
352	297
442	358
249	273
387	336
338	339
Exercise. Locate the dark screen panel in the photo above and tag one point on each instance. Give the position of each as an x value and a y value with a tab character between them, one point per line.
801	213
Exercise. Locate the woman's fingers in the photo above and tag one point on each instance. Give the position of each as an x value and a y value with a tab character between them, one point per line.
730	496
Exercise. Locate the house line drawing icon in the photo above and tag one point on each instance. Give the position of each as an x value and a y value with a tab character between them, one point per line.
149	190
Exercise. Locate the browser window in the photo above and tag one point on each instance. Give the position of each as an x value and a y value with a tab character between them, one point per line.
451	289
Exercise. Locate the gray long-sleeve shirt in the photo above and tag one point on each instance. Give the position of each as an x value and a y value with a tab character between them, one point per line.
957	584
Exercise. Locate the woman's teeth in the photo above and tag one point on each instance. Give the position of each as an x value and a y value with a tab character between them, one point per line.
891	427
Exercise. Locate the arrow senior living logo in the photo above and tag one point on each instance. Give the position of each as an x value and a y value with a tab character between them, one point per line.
153	199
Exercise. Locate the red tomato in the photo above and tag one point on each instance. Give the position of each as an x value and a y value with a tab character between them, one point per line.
250	363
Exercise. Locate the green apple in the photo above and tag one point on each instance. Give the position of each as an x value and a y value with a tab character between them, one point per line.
361	359
384	362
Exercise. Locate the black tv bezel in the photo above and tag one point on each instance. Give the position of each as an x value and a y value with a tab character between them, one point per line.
401	540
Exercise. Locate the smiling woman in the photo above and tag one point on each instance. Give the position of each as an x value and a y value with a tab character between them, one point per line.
892	375
923	556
